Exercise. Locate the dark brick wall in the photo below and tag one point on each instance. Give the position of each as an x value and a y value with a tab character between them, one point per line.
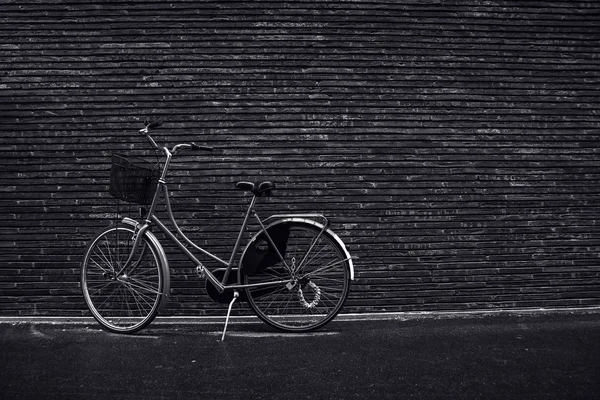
454	144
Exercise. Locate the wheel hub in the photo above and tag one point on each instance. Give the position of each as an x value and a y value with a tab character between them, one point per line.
109	275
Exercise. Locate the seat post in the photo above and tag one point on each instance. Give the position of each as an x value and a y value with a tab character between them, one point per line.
251	206
239	240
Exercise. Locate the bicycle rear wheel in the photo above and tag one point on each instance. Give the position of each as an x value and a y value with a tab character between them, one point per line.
319	275
122	301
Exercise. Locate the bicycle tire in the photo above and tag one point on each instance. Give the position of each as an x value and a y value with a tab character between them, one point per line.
322	281
130	301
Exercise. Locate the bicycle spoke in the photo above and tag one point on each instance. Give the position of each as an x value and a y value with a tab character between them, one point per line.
148	284
101	288
107	247
138	286
139	297
313	256
103	257
324	268
285	308
108	297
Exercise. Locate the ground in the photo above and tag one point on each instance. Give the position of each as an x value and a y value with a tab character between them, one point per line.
532	355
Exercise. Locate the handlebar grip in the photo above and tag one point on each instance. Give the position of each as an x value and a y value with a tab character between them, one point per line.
195	147
154	124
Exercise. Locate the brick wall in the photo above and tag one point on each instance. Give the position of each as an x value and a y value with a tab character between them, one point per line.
454	144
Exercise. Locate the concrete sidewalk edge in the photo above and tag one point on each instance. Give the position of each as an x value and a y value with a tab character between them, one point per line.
397	316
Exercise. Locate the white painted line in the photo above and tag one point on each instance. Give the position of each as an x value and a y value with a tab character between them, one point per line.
270	334
250	319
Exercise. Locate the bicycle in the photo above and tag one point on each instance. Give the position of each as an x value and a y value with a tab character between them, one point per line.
295	272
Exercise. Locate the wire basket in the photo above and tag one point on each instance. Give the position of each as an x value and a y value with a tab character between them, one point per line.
133	179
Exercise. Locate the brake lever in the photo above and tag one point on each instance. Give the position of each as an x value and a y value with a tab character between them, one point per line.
196	147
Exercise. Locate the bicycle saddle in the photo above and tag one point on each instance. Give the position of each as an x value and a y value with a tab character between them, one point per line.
262	189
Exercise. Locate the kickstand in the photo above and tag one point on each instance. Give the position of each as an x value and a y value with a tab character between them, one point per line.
236	294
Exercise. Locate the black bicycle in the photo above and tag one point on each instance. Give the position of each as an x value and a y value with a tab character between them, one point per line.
295	272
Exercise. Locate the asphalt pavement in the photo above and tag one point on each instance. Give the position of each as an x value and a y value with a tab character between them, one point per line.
524	355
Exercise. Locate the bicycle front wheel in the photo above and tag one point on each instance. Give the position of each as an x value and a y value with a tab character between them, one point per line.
318	281
122	301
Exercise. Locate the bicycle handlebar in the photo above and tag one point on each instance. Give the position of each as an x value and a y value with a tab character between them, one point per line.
152	125
204	148
190	146
176	148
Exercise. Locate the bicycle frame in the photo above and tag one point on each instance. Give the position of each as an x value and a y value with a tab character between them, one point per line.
298	294
221	286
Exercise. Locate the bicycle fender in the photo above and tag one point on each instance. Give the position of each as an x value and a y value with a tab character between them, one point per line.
316	224
164	264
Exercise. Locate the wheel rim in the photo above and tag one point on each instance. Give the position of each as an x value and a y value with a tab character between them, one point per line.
123	302
319	283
